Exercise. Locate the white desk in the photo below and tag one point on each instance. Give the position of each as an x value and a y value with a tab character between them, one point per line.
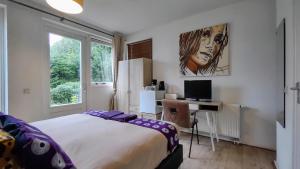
210	109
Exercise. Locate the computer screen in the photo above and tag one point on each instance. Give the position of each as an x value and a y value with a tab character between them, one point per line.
197	90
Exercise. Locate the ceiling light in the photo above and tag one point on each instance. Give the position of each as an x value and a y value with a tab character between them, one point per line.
67	6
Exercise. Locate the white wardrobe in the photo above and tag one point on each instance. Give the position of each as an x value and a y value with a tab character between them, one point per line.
133	76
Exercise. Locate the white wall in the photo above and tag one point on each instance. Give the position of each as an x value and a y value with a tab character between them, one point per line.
284	9
252	56
296	148
26	58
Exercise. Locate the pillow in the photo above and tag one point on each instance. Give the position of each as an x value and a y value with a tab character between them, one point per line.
35	149
7	159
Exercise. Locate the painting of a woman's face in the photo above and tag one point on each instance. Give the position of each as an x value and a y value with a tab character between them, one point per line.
205	51
210	45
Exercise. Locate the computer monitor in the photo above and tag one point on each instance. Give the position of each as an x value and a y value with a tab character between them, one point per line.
198	90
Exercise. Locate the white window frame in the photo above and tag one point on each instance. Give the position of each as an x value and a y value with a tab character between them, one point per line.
104	42
77	36
3	63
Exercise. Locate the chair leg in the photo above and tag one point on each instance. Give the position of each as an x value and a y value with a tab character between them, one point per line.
197	133
191	142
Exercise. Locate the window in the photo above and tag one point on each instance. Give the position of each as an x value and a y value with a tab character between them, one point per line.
65	70
101	62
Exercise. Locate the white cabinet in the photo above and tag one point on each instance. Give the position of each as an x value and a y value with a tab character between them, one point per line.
122	86
151	101
133	76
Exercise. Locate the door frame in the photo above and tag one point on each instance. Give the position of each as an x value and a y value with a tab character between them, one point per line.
3	63
70	108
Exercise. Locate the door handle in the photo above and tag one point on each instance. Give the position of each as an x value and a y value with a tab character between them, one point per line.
297	88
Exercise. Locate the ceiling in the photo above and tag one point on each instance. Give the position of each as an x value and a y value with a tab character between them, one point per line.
129	16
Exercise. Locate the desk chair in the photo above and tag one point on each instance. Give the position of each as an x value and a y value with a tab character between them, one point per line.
178	112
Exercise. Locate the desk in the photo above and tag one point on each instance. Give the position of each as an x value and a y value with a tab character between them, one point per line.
210	109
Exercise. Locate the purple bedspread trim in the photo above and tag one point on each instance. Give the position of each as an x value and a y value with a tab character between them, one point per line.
168	130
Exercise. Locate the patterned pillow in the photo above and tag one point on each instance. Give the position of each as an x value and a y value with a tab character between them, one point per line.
35	149
7	159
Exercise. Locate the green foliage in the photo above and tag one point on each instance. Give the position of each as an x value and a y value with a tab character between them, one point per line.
101	63
65	62
65	93
65	58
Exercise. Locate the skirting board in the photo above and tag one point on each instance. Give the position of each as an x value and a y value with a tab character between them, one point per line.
230	139
234	140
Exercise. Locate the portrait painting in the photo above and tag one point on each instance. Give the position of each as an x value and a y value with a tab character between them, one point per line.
204	52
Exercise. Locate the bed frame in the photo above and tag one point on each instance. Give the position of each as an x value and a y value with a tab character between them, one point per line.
174	160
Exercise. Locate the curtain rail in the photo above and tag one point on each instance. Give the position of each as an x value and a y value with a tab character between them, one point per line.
60	17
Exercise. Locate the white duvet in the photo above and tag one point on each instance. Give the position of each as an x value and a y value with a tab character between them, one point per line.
95	143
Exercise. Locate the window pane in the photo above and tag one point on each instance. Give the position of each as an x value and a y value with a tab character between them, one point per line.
65	68
101	62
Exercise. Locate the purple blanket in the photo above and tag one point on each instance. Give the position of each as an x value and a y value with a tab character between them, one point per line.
168	130
124	117
104	114
112	115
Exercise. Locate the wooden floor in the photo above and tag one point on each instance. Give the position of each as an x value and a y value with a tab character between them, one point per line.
226	156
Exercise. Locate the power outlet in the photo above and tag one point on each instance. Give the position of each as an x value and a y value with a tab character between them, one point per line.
26	91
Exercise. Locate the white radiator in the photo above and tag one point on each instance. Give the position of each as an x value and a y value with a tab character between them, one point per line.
228	122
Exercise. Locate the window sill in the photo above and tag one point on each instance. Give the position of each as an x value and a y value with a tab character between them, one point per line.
64	108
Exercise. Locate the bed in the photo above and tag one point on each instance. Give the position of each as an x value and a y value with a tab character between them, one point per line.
95	143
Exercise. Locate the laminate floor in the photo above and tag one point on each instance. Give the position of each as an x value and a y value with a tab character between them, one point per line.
226	156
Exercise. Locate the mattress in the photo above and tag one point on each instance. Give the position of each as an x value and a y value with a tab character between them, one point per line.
95	143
